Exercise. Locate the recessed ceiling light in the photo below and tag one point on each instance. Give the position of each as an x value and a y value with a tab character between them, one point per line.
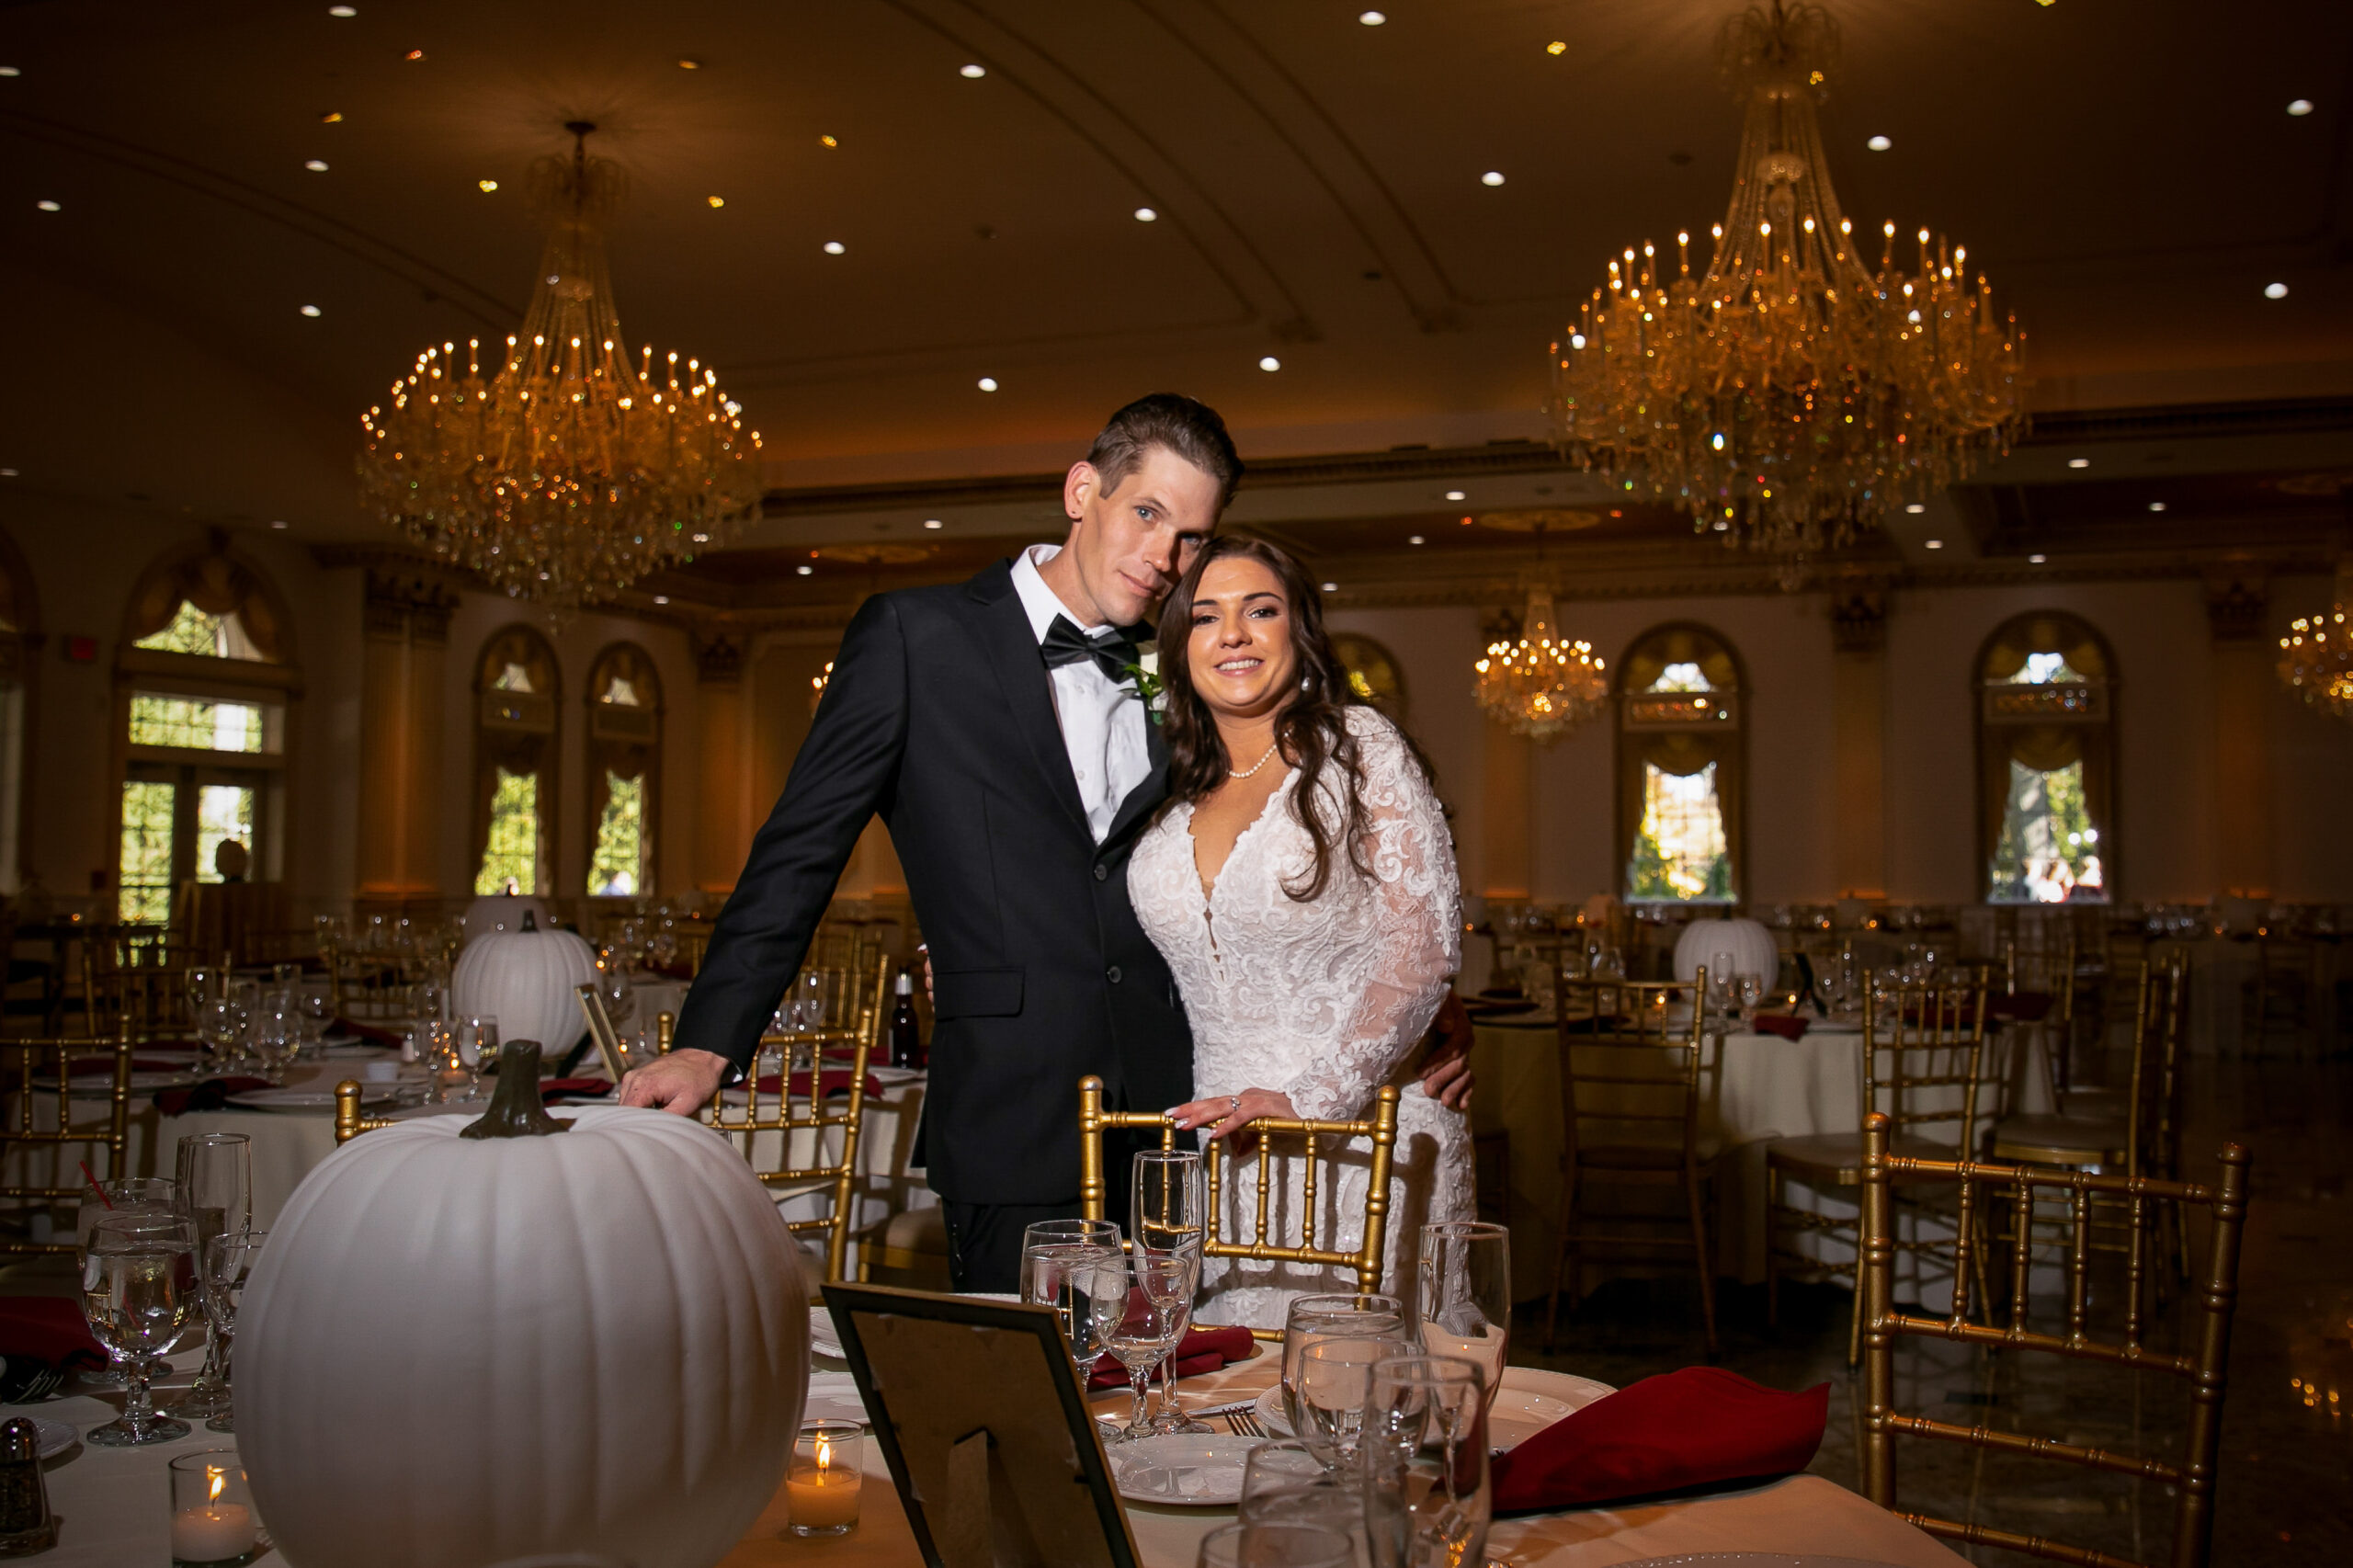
988	383
1556	47
487	186
48	206
828	142
1456	495
701	538
2300	107
1331	587
8	473
1916	507
9	71
1466	522
806	570
1492	177
1935	543
933	523
716	201
689	65
347	12
2079	462
834	248
316	165
277	522
416	55
1372	18
2274	291
332	117
661	598
974	73
1413	538
2037	560
2156	505
310	310
1879	143
1146	215
1271	363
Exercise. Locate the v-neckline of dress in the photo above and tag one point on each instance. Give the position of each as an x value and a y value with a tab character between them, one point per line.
1193	846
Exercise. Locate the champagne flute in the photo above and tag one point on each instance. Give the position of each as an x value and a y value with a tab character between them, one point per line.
1062	1265
139	1293
1463	1302
214	1193
1168	1198
225	1264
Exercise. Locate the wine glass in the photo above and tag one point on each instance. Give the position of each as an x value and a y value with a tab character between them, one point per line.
1284	1544
214	1193
139	1293
1750	990
1284	1484
1063	1265
1463	1302
222	1029
1334	1380
1168	1213
203	987
226	1262
477	1049
276	1037
1146	1329
1309	1319
1428	1498
318	1015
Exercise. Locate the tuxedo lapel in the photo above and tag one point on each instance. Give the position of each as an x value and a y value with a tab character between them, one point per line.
1146	796
1002	629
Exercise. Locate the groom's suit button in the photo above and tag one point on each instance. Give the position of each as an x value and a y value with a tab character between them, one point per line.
1112	974
1102	873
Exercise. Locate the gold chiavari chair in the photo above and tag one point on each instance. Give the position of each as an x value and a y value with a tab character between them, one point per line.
349	1122
2191	1482
1225	1167
784	1113
2049	973
1629	1116
38	1073
1924	1063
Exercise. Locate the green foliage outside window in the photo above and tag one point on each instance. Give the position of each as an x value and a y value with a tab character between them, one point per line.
512	856
2049	844
618	868
194	723
1680	855
145	880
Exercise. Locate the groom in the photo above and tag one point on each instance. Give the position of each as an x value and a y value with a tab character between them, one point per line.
995	728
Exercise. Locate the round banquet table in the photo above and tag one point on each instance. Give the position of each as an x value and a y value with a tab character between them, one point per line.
1752	1088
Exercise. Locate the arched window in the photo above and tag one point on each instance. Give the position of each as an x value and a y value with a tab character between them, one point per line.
624	769
204	680
1682	757
516	686
1373	673
2046	779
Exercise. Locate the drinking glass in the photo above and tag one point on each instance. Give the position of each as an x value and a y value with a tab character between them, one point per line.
1309	1319
1146	1331
1334	1380
429	1000
1750	990
477	1050
1168	1213
318	1015
1428	1498
1284	1484
1463	1302
1244	1544
203	987
438	1049
139	1293
224	1265
276	1037
214	1193
1066	1265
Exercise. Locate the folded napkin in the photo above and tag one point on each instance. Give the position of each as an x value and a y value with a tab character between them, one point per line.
211	1094
551	1088
832	1080
370	1033
47	1328
1203	1349
1700	1426
1789	1026
2022	1007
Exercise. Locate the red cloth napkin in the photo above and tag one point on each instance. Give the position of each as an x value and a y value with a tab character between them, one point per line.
370	1033
48	1328
552	1087
1700	1426
2023	1007
834	1081
1789	1026
211	1094
1201	1350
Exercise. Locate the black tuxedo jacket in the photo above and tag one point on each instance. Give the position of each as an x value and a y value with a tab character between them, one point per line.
939	717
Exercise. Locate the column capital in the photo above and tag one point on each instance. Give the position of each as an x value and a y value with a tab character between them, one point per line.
1858	620
719	658
2236	606
396	602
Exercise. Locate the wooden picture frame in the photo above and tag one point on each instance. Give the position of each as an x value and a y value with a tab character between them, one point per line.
979	1411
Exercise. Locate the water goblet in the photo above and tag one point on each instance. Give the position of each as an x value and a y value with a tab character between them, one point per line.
1145	1331
139	1293
204	985
1309	1319
1284	1484
226	1262
318	1015
1750	990
1428	1497
477	1050
1334	1380
222	1029
1284	1544
1464	1303
1073	1267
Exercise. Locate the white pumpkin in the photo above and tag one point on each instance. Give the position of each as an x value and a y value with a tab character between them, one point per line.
1727	947
455	1352
526	979
502	912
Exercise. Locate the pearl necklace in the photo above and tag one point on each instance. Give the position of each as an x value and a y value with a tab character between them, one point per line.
1254	767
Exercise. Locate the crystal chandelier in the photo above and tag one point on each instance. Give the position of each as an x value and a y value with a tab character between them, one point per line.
1542	684
2316	656
1790	395
567	474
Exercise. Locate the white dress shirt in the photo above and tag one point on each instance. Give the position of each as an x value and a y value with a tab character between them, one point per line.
1102	721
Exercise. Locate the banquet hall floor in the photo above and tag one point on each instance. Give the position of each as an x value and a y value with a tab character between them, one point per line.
2286	1455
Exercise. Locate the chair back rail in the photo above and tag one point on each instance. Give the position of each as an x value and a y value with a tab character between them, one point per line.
38	1072
2204	1367
1924	1040
1615	1039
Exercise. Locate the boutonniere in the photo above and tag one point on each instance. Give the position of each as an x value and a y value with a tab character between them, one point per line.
1145	673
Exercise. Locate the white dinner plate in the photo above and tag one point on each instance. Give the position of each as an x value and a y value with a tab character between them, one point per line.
886	1076
1181	1471
353	1050
55	1437
822	1337
310	1099
833	1396
1516	1415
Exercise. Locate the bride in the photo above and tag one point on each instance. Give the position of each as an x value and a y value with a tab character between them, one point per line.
1300	883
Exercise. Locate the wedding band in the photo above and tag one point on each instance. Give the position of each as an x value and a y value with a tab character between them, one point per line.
1233	1101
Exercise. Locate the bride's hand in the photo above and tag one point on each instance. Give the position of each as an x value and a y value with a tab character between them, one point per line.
1229	1113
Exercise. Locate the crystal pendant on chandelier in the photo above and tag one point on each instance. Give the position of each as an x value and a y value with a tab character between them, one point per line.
1540	685
2316	656
1792	394
566	473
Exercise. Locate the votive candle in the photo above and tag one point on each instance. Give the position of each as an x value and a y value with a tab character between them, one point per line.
821	1488
212	1514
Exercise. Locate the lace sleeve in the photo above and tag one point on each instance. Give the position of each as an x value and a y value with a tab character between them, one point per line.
1397	970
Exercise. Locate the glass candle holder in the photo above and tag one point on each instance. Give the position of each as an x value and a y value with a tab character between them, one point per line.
821	1490
213	1521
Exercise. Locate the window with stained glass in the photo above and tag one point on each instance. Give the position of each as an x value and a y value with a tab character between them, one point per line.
1681	753
510	863
625	759
2045	692
618	869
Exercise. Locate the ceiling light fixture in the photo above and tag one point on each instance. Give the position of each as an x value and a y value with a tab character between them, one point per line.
2274	291
1492	177
1879	143
806	570
974	73
2156	505
1413	538
277	522
1329	588
2036	560
311	311
1269	362
316	165
661	598
416	55
9	71
1457	495
987	383
689	65
8	473
48	206
1839	399
346	12
2079	462
1915	507
933	523
1146	215
828	142
716	201
2300	107
1371	18
486	186
834	248
1540	685
1934	543
561	456
332	117
2316	656
1556	47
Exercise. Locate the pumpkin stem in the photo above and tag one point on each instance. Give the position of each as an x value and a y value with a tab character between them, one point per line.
515	1110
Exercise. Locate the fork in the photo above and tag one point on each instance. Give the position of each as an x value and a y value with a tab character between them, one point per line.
1242	1424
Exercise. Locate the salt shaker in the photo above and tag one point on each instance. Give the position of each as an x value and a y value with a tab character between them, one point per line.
26	1526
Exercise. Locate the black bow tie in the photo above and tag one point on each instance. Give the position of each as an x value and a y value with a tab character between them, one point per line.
1111	649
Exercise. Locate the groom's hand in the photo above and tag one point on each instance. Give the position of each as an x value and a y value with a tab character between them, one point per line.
681	1083
1446	1066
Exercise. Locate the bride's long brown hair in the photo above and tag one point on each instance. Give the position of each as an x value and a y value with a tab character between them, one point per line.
1311	729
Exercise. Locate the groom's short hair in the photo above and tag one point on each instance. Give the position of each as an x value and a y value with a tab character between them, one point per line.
1184	426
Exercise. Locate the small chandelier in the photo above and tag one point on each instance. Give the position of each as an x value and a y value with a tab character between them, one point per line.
567	474
1542	684
1790	395
2316	656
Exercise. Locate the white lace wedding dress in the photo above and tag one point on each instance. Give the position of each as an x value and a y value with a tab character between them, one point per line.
1325	1001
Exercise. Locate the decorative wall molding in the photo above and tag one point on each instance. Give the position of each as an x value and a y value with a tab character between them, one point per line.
2235	604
